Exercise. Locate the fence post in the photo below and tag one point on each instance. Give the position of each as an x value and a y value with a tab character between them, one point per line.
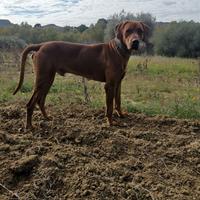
85	90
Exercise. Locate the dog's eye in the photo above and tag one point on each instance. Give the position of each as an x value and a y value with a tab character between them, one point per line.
139	31
128	31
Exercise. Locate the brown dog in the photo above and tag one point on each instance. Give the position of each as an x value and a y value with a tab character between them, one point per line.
104	62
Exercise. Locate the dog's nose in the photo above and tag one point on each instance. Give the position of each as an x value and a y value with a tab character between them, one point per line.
135	44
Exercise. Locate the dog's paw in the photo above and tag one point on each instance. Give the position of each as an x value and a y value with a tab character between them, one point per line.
122	114
48	118
29	128
111	122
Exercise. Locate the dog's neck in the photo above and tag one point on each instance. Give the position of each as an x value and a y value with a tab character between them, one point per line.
121	48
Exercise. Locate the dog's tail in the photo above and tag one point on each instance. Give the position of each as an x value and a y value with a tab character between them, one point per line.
34	47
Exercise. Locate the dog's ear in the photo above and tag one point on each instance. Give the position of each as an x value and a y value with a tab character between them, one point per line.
146	29
117	31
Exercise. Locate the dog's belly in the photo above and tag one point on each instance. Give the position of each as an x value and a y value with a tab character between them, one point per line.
94	74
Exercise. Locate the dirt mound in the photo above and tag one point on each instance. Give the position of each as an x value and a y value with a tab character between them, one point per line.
76	156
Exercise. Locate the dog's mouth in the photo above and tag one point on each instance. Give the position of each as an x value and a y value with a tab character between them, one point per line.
135	45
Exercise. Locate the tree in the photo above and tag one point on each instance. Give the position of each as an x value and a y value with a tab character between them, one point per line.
178	39
11	43
82	28
37	25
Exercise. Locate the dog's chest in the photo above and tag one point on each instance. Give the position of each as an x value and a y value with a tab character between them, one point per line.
123	71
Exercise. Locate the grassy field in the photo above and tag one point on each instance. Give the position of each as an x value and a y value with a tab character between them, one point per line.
153	85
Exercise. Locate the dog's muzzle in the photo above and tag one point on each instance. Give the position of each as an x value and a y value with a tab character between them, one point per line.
135	45
138	45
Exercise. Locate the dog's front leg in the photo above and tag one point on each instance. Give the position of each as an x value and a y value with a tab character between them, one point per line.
118	101
110	92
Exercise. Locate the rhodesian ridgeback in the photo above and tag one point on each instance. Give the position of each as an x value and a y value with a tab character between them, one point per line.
104	62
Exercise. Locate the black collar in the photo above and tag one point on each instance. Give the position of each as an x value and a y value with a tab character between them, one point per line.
122	48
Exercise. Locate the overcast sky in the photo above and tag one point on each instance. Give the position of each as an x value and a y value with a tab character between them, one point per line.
76	12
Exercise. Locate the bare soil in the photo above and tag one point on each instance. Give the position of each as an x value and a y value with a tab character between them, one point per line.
77	156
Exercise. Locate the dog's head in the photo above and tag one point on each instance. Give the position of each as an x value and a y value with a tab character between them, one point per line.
132	34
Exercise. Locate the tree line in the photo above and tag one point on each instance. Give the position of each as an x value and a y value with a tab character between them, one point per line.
169	39
180	39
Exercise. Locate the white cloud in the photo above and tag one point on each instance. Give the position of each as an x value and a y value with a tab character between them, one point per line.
76	12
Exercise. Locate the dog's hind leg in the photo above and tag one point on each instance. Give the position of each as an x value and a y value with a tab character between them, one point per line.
42	86
42	97
41	103
118	102
30	107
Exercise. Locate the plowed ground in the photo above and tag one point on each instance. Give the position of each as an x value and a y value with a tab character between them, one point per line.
77	156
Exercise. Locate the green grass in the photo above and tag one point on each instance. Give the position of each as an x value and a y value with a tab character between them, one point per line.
167	86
